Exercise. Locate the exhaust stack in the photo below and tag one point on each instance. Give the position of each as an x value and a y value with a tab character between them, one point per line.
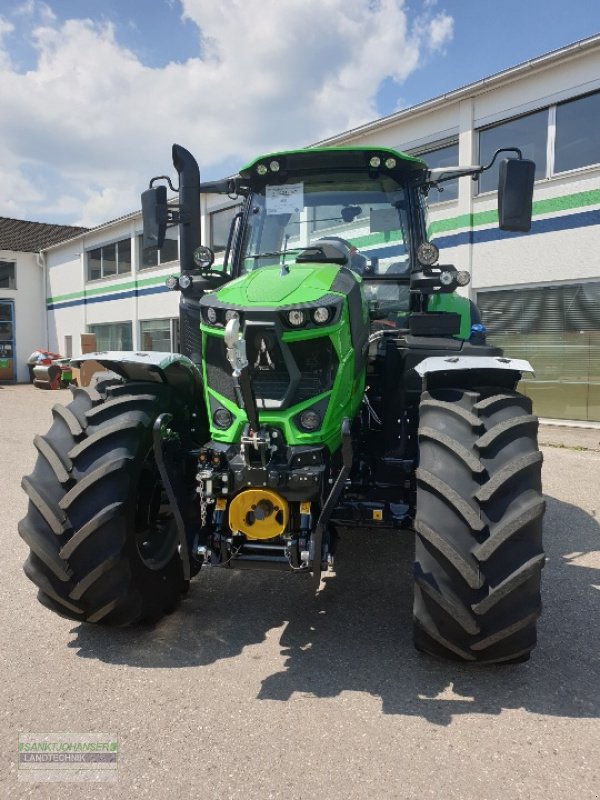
189	205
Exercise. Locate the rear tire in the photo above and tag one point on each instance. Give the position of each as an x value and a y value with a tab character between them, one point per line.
103	541
479	526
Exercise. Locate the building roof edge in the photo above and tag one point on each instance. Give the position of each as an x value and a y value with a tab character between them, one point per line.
469	89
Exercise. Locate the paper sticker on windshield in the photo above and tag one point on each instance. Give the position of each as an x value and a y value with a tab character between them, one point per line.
285	199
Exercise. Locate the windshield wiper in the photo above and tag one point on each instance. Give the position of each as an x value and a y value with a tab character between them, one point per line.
279	252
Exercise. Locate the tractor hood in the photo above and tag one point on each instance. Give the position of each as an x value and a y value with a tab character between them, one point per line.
267	286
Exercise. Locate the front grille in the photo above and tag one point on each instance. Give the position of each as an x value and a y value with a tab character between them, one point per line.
218	369
317	363
270	376
189	331
270	362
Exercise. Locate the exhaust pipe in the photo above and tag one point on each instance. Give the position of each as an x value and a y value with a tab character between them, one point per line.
189	205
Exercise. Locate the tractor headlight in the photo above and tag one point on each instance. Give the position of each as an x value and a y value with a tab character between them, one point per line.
231	314
463	277
390	163
428	254
185	281
296	318
447	277
211	315
203	257
374	162
222	418
274	165
262	169
172	282
309	420
320	315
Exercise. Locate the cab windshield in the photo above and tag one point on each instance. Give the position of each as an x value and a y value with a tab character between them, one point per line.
365	217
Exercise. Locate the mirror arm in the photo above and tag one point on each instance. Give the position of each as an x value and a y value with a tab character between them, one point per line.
163	178
230	186
503	150
472	172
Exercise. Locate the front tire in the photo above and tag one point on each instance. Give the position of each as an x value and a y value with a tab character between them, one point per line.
103	541
479	526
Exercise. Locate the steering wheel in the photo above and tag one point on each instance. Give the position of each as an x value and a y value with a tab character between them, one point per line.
355	260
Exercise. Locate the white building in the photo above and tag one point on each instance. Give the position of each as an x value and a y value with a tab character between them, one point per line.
23	317
539	293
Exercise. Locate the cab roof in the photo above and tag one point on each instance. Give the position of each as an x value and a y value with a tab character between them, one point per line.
333	158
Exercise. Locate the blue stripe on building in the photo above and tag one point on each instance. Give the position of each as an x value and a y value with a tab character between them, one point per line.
106	297
582	219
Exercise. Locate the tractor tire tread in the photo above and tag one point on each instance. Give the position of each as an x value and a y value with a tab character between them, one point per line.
508	472
451	497
478	520
60	465
84	555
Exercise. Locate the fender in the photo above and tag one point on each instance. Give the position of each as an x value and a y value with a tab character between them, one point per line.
171	368
439	364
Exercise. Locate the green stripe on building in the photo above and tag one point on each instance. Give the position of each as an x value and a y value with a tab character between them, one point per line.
463	221
115	287
549	206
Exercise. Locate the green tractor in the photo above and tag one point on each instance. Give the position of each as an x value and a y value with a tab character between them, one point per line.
331	377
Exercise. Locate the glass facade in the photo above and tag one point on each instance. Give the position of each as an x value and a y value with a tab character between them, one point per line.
577	133
220	225
168	253
155	334
7	340
574	140
529	133
7	275
557	329
109	260
113	335
442	157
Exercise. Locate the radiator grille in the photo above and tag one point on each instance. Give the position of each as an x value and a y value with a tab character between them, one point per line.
315	360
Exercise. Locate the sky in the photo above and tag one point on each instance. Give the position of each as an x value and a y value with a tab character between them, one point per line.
94	92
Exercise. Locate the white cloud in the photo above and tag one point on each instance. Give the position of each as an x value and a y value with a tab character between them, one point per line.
441	29
269	74
18	193
5	27
35	8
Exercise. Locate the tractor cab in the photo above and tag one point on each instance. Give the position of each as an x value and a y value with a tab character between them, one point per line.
356	208
361	209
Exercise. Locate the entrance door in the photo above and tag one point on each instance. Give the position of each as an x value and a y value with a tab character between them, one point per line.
7	340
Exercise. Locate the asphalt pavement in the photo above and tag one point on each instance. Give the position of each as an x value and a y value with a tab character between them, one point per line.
254	689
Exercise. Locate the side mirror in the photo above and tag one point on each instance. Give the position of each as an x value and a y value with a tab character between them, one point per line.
154	216
515	194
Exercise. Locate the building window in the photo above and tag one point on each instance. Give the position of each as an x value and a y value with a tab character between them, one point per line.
434	157
577	133
529	133
158	334
6	326
7	275
168	253
557	329
109	260
220	225
113	336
